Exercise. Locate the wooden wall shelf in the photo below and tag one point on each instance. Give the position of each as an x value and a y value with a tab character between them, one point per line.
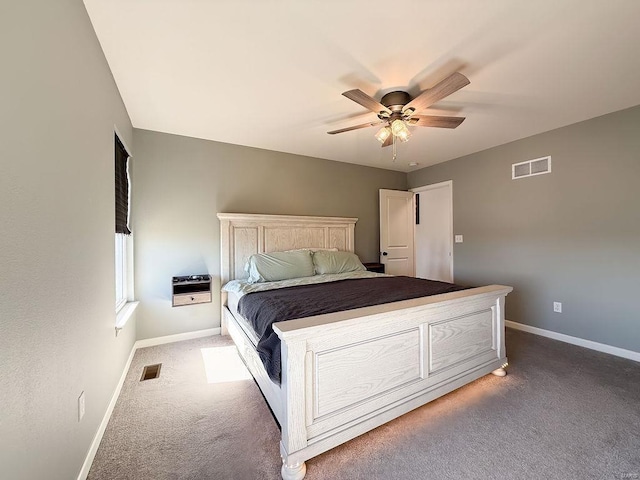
190	290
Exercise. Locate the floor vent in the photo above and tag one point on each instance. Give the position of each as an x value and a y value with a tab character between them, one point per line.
150	372
537	166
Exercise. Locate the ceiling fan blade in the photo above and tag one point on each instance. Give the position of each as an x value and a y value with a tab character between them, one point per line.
366	101
446	87
388	141
356	127
435	121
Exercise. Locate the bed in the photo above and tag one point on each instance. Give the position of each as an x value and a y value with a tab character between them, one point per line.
348	372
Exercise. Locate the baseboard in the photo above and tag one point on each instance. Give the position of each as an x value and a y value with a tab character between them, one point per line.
600	347
179	337
148	342
86	466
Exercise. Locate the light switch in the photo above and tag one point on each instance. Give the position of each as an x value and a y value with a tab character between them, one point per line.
458	238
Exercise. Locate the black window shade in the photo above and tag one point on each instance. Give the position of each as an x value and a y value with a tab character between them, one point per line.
122	189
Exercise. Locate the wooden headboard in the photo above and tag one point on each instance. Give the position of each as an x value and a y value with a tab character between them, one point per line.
242	235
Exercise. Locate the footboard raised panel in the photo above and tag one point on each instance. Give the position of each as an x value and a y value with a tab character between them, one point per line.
353	373
455	341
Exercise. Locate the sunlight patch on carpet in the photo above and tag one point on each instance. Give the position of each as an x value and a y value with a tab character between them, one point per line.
222	364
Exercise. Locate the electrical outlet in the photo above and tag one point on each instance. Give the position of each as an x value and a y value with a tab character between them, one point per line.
458	239
557	307
81	406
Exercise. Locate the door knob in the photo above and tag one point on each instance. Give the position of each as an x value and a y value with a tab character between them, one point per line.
384	254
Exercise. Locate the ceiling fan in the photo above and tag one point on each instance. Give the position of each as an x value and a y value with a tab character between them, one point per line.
397	109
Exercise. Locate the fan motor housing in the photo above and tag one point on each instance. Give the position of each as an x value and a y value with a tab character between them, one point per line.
394	101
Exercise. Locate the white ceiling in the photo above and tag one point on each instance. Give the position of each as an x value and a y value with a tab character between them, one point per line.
270	73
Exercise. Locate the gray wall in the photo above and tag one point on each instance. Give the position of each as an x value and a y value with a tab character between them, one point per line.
181	184
57	296
571	236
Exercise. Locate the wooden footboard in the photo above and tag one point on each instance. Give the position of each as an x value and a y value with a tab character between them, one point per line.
349	372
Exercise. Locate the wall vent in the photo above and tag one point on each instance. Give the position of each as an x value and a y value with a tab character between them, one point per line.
537	166
150	372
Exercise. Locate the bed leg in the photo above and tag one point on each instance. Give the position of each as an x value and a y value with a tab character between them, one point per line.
296	471
500	372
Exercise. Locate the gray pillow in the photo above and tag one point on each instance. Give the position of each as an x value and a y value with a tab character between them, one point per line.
270	267
336	262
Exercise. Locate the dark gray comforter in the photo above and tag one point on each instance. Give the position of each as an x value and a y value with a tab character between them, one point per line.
262	309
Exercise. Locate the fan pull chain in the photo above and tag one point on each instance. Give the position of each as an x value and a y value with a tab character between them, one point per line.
395	154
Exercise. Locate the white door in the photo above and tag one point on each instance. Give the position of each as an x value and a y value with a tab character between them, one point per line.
434	232
397	219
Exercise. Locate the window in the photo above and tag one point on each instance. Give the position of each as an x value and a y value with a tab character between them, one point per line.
121	270
121	222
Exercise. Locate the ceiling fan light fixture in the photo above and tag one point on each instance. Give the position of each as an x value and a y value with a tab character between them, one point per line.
383	134
398	127
400	130
404	136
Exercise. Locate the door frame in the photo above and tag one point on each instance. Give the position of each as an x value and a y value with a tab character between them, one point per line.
433	186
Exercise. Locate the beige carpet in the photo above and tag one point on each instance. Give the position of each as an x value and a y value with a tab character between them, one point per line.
563	412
